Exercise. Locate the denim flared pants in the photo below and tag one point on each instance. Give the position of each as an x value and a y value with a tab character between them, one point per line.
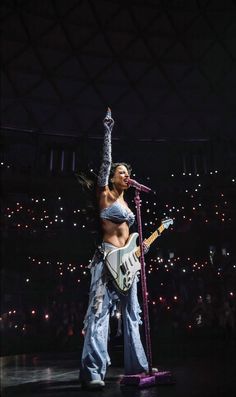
103	298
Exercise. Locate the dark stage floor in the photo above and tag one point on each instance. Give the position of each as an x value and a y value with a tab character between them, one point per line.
56	375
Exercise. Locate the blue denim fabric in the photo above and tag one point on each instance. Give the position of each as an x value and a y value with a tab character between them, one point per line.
102	301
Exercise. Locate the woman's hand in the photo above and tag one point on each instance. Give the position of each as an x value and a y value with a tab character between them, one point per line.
145	248
108	121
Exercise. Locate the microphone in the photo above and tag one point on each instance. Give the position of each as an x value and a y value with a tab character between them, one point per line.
138	186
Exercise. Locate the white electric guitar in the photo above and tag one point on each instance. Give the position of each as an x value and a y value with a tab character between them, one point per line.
123	263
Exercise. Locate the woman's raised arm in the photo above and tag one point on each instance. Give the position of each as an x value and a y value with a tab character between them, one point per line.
104	172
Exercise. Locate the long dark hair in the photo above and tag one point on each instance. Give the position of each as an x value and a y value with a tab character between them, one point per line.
88	183
88	180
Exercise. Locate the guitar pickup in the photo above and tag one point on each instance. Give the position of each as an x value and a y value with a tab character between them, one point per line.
135	257
123	269
131	263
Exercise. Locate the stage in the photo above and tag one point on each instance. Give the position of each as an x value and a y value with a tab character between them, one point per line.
56	375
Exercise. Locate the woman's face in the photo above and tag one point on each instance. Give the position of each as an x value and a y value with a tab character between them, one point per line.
120	177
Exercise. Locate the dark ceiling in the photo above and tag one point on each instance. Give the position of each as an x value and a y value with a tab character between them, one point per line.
166	68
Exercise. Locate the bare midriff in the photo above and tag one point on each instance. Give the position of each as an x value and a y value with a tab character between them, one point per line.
116	234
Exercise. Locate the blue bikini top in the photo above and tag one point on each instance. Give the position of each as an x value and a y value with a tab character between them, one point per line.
118	213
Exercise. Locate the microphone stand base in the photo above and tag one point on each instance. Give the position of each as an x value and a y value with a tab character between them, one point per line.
145	380
140	380
164	378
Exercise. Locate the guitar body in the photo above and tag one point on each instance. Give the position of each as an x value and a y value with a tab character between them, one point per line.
123	264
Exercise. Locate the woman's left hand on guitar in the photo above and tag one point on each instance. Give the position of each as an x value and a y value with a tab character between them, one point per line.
146	248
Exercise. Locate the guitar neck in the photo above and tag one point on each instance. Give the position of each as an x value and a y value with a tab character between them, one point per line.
150	239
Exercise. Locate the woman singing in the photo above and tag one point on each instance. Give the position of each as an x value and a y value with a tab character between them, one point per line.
116	219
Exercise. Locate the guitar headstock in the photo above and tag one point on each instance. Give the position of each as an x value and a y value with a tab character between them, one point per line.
167	222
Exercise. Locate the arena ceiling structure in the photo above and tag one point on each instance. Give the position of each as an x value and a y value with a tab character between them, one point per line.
166	68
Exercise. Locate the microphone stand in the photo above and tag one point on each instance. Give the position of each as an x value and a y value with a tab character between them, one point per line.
143	283
152	378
